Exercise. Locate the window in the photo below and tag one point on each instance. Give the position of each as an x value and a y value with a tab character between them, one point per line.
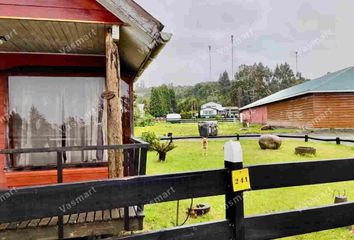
56	112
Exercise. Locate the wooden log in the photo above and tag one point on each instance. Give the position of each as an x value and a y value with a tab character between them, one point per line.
114	107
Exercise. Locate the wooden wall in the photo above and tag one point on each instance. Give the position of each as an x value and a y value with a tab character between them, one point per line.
61	10
258	115
43	65
297	112
334	110
3	123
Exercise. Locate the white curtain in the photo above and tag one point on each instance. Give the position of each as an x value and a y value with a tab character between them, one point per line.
56	112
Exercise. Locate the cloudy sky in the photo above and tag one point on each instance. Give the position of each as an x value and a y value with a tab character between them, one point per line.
267	31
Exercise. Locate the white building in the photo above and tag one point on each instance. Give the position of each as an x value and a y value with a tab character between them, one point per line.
210	109
213	109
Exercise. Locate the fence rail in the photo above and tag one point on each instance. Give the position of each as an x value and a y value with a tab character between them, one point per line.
44	201
337	140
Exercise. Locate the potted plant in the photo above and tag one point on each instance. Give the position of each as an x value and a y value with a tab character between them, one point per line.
162	148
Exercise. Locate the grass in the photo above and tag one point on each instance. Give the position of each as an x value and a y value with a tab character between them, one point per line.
188	157
191	129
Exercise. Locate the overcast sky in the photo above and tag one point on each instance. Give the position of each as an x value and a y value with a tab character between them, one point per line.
267	31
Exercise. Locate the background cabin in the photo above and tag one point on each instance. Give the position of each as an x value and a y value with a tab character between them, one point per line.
322	103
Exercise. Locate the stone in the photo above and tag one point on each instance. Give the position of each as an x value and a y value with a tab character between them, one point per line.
305	150
245	124
270	142
267	128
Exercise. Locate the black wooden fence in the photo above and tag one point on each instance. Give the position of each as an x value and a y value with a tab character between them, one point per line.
44	201
306	138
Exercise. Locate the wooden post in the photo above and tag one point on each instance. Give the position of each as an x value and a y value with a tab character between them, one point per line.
60	180
114	107
234	200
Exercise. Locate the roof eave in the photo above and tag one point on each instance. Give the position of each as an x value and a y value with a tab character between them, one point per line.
297	95
145	25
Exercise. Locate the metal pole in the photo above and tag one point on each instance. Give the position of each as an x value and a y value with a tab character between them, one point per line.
234	200
210	63
232	56
296	53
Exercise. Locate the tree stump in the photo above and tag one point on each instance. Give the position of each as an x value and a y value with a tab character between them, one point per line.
305	150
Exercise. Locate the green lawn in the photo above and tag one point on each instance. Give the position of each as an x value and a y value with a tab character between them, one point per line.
188	157
191	129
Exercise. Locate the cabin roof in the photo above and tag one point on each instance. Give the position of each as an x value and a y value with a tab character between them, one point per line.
78	27
340	81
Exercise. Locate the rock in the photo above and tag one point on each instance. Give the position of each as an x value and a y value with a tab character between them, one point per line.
269	142
305	150
267	128
245	124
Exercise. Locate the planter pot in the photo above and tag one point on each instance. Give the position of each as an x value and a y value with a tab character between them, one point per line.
162	156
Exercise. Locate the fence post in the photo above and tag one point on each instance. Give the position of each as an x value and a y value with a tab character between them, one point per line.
306	138
338	141
238	137
60	180
234	200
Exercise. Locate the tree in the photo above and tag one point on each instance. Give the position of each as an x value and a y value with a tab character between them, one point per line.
283	77
173	101
162	101
224	86
251	83
156	107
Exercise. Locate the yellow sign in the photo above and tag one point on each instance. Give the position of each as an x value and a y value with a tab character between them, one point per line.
241	180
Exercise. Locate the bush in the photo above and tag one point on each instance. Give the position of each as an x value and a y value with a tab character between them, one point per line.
147	120
187	115
162	148
219	117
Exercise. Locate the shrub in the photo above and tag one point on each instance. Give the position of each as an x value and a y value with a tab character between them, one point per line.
162	148
187	115
146	120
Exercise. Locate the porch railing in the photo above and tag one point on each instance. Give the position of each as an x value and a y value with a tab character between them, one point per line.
135	155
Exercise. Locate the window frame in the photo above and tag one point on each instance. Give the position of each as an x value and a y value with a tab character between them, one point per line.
46	72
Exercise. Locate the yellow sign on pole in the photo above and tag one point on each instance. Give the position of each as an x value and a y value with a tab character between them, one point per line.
241	180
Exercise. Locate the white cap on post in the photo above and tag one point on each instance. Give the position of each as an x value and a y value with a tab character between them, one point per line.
233	152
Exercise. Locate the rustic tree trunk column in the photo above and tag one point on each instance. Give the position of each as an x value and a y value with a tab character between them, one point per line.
114	107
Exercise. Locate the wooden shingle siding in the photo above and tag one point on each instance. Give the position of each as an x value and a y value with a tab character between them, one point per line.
297	112
61	10
256	115
334	110
52	37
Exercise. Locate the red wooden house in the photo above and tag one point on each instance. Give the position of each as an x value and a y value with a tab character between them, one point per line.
55	66
322	103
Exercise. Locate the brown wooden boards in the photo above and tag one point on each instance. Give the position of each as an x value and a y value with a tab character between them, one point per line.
114	107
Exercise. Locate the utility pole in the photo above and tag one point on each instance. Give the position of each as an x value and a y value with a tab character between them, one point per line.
296	55
210	63
232	56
